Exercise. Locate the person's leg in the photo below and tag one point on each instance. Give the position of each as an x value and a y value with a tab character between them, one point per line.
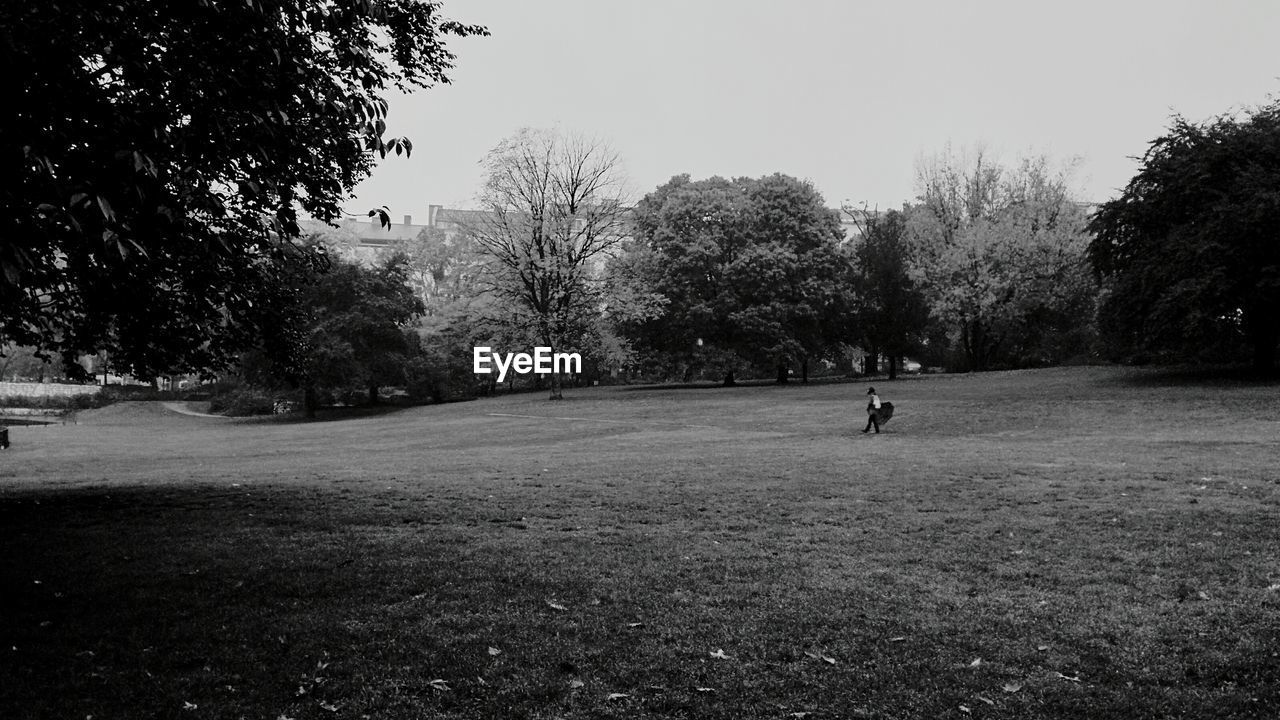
875	420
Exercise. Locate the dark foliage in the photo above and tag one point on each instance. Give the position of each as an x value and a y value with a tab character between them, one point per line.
747	271
347	328
889	310
1190	252
157	155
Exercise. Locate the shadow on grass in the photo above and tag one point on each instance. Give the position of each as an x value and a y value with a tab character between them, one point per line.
1193	376
145	602
218	601
709	385
330	414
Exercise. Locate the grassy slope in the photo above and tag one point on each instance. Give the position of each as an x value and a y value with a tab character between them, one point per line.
1101	525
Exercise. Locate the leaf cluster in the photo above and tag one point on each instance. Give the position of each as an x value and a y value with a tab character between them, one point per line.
1190	251
1000	253
162	151
748	267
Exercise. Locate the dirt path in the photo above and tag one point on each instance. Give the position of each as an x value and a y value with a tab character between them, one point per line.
182	408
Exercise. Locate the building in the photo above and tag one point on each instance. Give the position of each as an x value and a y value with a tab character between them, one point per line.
363	239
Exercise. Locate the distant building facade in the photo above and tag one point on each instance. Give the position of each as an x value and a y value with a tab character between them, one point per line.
363	240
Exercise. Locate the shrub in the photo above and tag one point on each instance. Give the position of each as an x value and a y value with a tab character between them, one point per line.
57	402
242	401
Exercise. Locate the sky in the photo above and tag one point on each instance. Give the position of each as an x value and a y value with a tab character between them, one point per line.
848	95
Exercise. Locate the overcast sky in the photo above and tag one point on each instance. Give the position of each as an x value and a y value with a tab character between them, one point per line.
846	94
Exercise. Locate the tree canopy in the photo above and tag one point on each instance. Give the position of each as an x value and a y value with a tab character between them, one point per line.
741	271
158	154
1190	251
346	328
1000	251
889	312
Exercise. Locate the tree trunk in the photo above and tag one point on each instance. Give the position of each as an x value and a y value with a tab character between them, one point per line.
1264	352
871	363
975	337
804	369
894	361
373	394
966	344
782	372
309	400
557	387
728	379
1263	333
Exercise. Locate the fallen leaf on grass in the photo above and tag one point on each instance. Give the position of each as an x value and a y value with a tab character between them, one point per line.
976	662
635	624
1273	588
282	716
1068	678
1042	648
965	709
986	700
494	651
720	655
189	705
576	684
1012	687
329	707
617	696
705	690
800	714
556	606
1202	595
439	684
819	656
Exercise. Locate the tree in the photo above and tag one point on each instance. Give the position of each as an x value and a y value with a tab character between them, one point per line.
444	271
1001	255
889	311
22	363
739	272
1190	251
348	327
153	189
447	273
555	206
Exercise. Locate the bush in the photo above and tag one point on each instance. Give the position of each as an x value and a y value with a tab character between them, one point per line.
242	401
58	402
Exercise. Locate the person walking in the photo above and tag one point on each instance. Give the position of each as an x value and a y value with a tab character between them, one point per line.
873	412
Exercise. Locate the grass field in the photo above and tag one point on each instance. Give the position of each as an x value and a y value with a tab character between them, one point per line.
1076	543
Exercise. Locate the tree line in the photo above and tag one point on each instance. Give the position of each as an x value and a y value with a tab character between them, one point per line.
154	196
755	276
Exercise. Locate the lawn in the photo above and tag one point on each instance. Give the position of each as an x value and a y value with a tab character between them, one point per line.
1074	543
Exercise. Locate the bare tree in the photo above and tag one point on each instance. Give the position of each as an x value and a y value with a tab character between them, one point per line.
555	206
